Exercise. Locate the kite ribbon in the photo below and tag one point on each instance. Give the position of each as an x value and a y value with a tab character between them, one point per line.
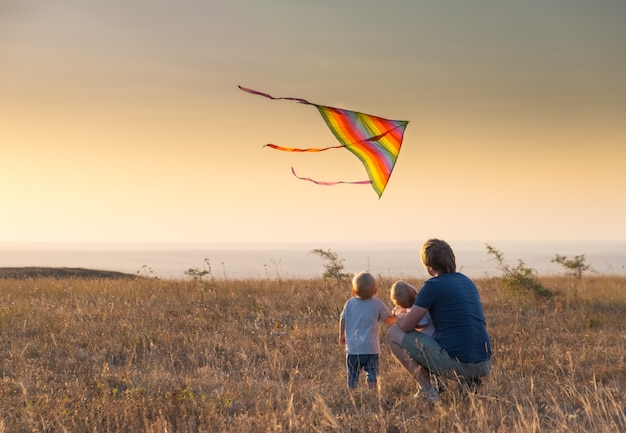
293	149
317	182
256	92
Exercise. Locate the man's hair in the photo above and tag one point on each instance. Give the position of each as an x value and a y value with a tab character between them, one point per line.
403	294
364	285
438	255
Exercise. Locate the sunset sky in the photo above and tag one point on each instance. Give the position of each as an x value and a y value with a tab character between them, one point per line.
122	121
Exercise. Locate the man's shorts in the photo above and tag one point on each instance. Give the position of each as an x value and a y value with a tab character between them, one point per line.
427	352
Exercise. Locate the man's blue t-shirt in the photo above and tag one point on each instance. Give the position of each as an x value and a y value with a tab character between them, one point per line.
454	305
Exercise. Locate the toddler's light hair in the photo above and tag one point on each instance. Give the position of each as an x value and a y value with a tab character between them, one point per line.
403	294
364	285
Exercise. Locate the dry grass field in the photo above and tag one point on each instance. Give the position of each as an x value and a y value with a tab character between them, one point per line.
147	355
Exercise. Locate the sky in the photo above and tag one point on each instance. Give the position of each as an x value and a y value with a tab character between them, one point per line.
121	121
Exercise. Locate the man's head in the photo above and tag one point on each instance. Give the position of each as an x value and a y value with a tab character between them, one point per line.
438	257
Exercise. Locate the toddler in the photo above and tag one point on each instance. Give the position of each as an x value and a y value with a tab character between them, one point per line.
403	296
359	327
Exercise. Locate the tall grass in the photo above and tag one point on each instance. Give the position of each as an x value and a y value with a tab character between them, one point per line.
96	355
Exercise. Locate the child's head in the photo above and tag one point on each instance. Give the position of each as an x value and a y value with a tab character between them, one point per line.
438	255
403	294
363	285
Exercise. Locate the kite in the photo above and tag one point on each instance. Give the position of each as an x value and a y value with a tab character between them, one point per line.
374	140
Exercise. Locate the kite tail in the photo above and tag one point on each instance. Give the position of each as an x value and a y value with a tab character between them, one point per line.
256	92
293	149
317	182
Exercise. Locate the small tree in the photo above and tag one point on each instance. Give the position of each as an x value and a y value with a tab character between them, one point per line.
575	266
334	265
519	278
198	274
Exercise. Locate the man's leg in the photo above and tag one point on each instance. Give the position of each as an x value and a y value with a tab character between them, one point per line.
419	373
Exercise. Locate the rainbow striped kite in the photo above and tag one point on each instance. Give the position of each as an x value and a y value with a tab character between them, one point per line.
374	140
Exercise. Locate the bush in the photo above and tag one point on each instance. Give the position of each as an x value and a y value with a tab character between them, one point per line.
575	266
520	278
334	265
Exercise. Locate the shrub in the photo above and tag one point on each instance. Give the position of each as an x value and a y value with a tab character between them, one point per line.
519	278
575	266
334	264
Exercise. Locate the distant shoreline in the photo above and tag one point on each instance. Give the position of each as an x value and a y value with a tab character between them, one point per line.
293	260
44	272
294	245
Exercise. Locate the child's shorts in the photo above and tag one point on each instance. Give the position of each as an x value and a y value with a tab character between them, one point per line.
355	363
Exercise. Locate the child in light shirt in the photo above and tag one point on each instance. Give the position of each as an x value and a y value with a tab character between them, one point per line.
359	330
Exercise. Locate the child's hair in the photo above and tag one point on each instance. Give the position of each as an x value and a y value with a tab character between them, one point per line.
403	294
364	285
438	255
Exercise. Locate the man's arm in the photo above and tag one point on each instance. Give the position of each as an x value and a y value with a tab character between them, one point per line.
408	322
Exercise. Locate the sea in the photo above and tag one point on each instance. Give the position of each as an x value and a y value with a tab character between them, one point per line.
295	260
